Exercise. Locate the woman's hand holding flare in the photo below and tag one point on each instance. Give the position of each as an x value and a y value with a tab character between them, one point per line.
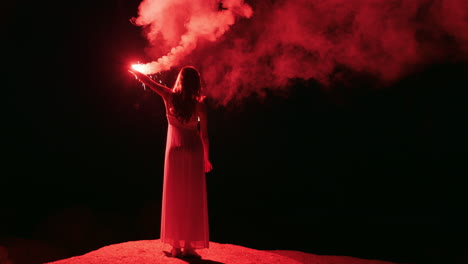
135	73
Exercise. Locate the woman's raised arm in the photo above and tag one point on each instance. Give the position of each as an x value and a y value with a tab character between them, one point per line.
160	89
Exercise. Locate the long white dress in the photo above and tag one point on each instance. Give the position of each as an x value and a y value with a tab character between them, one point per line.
184	217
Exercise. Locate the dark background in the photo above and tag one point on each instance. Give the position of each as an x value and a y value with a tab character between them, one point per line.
351	170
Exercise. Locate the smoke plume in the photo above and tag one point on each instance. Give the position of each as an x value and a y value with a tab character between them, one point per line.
244	48
179	25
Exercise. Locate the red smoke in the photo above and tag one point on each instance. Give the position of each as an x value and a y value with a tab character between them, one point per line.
240	52
174	27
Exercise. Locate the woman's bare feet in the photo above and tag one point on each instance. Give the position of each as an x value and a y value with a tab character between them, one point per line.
176	252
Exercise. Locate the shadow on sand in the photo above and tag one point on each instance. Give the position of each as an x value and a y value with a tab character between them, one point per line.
195	260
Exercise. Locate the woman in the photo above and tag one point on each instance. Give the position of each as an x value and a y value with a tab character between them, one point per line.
184	218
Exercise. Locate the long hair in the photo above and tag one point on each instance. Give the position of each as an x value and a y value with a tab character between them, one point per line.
187	89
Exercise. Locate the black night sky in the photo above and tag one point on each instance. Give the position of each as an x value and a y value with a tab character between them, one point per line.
352	170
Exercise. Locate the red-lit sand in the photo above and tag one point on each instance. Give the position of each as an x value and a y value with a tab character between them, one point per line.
153	252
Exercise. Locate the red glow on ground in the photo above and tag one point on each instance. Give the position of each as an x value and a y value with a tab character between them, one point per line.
153	251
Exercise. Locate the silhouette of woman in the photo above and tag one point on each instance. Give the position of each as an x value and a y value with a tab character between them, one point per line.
184	216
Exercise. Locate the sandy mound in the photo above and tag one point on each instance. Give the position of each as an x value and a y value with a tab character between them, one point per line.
153	252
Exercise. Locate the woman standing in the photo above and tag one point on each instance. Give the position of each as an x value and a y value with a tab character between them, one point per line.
184	218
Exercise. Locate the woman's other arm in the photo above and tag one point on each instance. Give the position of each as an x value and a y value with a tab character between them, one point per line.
204	136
